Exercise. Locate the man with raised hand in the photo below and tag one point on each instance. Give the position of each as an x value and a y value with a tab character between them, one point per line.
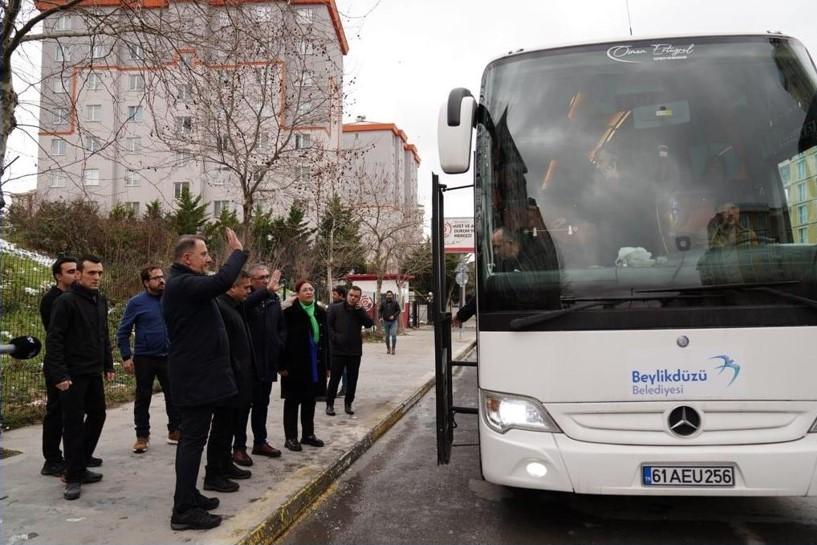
199	368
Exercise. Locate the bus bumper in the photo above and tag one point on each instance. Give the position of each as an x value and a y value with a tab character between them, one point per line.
516	459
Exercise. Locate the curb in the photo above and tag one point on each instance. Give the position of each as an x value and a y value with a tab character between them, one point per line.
286	515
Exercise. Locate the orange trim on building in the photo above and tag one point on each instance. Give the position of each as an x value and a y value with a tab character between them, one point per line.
372	127
76	69
334	15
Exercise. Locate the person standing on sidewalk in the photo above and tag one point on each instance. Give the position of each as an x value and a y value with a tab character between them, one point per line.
267	333
226	418
339	296
148	360
198	364
344	321
390	313
303	366
78	353
64	271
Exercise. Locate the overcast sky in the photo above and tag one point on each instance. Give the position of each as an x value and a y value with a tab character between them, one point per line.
405	55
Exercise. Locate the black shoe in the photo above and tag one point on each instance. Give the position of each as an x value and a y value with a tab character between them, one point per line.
292	444
312	441
330	410
203	502
220	484
235	472
53	469
194	519
93	462
348	408
91	477
72	491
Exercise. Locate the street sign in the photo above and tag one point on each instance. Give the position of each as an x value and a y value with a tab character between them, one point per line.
458	234
461	278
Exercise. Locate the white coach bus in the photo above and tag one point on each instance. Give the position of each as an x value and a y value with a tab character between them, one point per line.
646	229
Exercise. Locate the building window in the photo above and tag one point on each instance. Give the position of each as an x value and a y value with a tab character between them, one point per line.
185	91
58	146
133	144
63	53
60	85
94	144
94	81
302	174
136	52
131	178
57	179
801	169
179	188
785	173
220	206
303	141
304	16
802	214
136	114
98	51
801	192
305	107
306	47
60	116
132	207
63	22
307	80
136	82
91	177
93	112
802	235
184	124
263	14
183	157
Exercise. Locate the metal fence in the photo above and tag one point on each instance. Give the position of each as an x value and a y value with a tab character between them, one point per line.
24	278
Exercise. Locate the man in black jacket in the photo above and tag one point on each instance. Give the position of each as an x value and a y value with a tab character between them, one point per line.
78	352
268	334
198	364
64	271
390	312
345	320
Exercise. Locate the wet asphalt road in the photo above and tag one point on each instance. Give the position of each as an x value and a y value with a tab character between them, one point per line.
396	493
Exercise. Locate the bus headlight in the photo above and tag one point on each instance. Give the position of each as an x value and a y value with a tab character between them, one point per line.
504	412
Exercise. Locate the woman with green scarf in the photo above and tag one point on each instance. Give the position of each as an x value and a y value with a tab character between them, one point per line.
303	366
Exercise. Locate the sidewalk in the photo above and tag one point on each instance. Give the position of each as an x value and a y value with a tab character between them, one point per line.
132	504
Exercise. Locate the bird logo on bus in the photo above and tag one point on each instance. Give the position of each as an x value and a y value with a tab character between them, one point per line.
728	363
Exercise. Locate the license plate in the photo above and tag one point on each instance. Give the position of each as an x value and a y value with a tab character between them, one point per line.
688	475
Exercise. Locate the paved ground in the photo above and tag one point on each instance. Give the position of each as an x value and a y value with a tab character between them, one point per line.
132	504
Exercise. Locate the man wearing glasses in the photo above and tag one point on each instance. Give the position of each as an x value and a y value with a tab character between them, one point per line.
148	360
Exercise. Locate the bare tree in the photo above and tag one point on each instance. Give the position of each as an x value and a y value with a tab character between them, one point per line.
255	96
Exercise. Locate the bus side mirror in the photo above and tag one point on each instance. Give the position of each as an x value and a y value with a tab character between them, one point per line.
456	121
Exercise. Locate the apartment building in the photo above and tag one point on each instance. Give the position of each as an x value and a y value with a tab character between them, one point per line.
237	102
799	176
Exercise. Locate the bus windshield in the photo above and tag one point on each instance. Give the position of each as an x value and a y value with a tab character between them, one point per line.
672	182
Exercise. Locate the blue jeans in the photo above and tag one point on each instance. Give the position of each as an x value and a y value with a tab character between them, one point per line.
390	332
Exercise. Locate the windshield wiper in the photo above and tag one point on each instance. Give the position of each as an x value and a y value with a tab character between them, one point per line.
541	317
764	287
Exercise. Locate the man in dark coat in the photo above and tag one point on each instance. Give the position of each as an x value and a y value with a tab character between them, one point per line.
267	333
389	312
78	353
199	366
344	321
220	467
303	366
65	273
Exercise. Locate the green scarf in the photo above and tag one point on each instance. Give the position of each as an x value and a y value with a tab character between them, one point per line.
310	310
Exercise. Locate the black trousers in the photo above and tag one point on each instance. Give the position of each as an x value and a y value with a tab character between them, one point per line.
260	405
52	425
195	424
146	369
307	407
83	416
221	437
340	365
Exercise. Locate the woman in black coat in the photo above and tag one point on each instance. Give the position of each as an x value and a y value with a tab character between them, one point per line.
303	366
